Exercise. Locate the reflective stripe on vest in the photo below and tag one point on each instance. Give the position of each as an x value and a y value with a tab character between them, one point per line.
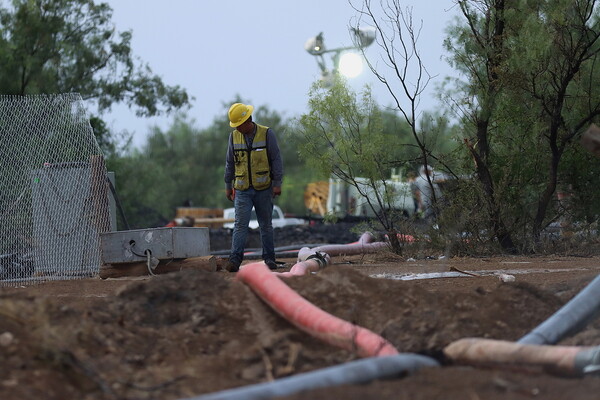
251	165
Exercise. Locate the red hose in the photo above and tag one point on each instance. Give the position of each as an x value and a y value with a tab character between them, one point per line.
309	318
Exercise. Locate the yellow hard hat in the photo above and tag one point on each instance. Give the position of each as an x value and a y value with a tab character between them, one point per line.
239	113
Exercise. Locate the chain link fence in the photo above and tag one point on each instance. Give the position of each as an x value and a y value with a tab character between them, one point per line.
53	190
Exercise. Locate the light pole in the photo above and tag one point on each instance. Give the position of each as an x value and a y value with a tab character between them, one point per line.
345	59
347	62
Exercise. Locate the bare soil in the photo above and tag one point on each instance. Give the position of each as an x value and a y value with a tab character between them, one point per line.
187	333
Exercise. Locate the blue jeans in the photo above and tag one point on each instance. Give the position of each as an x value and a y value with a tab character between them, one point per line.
262	201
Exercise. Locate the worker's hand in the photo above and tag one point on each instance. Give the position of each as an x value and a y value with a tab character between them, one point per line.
230	194
276	191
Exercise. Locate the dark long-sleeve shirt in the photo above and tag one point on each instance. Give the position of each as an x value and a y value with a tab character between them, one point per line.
275	161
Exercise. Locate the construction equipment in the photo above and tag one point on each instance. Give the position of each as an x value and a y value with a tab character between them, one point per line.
315	197
336	197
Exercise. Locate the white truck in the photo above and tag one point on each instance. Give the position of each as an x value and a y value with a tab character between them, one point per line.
279	219
345	199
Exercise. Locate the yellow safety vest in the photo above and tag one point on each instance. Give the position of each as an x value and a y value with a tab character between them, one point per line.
251	165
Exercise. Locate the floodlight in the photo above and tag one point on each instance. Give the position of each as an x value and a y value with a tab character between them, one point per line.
315	45
345	62
350	65
365	36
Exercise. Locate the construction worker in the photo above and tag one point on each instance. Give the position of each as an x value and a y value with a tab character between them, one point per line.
253	177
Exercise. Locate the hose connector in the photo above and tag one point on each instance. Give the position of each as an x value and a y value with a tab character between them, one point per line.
321	258
587	362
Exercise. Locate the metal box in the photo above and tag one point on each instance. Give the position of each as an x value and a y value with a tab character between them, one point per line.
65	242
162	243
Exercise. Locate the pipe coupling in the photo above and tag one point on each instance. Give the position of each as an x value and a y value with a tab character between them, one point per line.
321	258
587	361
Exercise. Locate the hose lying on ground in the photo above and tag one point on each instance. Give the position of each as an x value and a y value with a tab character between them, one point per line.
568	360
571	318
313	263
354	372
333	330
310	318
288	251
563	360
364	245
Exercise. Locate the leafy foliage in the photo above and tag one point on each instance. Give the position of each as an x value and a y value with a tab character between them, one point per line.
529	91
344	136
186	165
64	46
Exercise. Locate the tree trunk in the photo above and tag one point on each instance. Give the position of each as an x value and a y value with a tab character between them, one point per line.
548	192
498	227
394	242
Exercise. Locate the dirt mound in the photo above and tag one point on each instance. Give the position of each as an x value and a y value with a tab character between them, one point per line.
417	321
192	332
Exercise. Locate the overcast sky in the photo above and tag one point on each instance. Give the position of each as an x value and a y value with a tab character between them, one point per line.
218	49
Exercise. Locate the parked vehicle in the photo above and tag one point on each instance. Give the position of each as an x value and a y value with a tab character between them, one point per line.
358	205
279	219
336	197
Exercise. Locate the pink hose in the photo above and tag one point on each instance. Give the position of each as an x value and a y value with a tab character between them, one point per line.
309	318
300	268
366	237
364	245
558	359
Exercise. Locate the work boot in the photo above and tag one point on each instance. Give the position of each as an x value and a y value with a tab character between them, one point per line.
271	264
232	267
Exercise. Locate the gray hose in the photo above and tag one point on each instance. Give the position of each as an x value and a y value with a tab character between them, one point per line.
298	246
569	319
258	250
355	372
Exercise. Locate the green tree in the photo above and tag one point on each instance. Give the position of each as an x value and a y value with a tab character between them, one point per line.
562	82
530	90
185	163
481	58
176	166
63	46
144	190
435	134
344	136
403	73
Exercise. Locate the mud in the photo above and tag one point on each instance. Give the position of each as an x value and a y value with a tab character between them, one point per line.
186	333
